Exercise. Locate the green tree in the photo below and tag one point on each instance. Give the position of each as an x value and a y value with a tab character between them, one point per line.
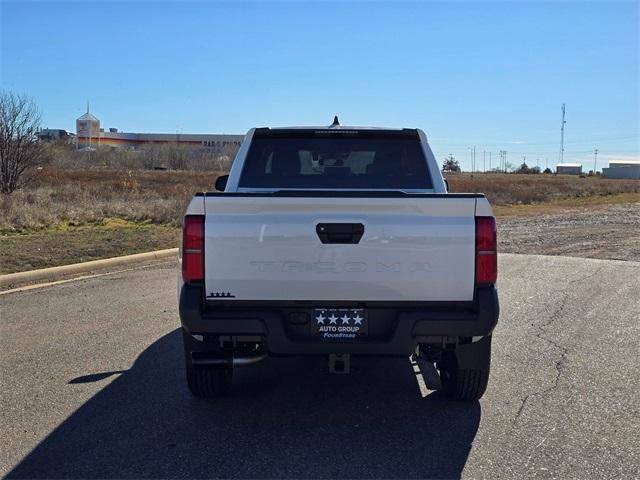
450	164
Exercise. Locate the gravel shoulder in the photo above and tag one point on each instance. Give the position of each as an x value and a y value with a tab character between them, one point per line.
596	231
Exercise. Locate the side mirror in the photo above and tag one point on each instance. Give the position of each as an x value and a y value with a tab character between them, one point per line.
446	184
221	182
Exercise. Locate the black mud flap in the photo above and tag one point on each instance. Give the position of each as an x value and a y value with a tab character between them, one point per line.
476	355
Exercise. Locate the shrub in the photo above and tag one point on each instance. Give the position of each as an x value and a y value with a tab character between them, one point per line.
150	157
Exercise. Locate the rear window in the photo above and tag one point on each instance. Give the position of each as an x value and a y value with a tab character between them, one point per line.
335	159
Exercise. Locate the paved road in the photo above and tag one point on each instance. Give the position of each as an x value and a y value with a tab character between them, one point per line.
92	386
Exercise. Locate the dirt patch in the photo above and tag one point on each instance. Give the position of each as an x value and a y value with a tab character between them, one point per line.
563	205
597	231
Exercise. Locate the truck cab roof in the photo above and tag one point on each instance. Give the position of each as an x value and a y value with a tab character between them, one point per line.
342	129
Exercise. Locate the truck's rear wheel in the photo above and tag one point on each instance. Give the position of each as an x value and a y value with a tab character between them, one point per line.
464	372
208	382
205	381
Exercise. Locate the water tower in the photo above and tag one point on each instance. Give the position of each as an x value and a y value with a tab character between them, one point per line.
88	130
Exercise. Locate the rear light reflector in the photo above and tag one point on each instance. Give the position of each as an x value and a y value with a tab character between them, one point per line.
193	248
486	251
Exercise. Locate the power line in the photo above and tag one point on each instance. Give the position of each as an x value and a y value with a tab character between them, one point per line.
586	141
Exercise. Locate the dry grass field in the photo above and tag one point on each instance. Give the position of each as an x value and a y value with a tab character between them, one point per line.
67	244
65	216
80	197
512	189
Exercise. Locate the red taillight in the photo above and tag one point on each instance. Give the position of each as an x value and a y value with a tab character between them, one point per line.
486	251
193	248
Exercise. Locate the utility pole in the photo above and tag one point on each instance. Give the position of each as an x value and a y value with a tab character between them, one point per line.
472	152
489	161
562	136
595	160
484	161
503	160
474	158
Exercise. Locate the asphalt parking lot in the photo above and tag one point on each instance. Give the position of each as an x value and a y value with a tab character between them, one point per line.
92	386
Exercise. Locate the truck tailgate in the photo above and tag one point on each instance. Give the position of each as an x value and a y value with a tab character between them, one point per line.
415	247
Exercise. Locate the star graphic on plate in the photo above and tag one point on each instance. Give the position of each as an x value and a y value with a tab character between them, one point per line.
345	319
332	319
320	318
357	319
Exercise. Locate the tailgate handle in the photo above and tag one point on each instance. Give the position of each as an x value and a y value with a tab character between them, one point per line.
340	232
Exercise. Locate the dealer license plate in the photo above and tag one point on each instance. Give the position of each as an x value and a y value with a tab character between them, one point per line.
339	323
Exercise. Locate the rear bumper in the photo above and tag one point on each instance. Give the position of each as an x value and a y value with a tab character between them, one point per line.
284	328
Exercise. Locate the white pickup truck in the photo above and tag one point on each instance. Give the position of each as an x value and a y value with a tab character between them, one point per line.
338	241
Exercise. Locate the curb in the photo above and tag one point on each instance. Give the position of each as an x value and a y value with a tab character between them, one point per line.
54	272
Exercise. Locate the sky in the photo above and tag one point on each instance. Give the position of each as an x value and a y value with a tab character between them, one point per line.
490	75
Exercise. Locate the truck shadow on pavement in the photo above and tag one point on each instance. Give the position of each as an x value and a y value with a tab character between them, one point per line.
284	418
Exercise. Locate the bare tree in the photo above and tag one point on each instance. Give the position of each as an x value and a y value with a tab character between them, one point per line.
19	147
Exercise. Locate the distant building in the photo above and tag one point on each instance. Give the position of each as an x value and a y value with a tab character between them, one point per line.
629	169
87	130
569	169
51	135
90	135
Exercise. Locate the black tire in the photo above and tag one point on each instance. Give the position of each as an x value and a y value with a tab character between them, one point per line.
206	381
464	372
209	382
